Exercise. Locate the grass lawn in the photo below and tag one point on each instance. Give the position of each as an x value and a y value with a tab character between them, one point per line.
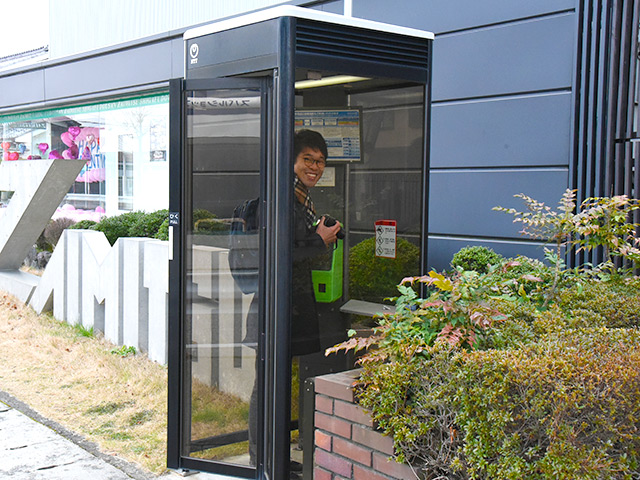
112	398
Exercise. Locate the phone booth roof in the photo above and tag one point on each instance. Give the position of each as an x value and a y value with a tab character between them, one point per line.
288	36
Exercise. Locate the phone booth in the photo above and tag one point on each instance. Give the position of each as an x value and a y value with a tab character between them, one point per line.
299	176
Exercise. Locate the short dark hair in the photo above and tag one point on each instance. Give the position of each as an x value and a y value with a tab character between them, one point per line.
311	139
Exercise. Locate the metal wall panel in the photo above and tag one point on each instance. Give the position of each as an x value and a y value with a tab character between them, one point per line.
528	130
121	69
441	16
23	89
522	57
442	249
461	200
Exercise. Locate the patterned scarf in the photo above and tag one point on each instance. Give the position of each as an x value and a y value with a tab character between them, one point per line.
302	194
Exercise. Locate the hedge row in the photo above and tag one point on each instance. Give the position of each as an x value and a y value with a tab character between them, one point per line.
553	394
130	224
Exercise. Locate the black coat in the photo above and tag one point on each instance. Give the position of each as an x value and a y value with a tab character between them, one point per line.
308	248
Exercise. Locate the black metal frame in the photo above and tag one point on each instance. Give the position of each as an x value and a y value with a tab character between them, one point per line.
605	162
276	277
178	204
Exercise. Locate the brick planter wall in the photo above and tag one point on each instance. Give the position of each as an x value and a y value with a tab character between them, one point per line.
347	446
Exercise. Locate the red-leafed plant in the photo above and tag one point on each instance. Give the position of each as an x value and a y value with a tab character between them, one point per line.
455	312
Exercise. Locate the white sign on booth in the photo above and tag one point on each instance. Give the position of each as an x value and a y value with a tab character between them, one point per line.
386	236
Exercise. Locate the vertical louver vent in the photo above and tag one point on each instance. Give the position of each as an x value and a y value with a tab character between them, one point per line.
357	44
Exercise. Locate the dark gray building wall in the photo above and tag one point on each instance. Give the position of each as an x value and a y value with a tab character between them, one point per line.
110	72
503	95
503	76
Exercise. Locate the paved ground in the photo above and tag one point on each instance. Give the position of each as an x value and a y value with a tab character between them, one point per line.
34	448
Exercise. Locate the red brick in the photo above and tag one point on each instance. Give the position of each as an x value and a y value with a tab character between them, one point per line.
392	468
333	424
321	474
333	463
360	473
352	412
348	449
336	385
323	440
324	404
372	439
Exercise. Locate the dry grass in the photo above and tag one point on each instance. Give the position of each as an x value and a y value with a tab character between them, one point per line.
117	402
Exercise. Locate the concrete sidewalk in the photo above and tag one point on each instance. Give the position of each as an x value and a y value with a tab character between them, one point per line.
34	448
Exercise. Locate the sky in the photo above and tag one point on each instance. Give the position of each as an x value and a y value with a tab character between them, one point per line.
25	25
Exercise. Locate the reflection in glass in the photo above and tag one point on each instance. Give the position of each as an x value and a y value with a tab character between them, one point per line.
223	142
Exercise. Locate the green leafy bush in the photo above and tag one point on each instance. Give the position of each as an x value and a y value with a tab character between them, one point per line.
525	371
83	225
210	225
133	224
163	231
374	278
564	408
612	304
148	224
118	225
476	258
201	214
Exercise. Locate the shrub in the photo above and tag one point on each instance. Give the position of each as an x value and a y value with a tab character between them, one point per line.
42	245
148	224
54	229
117	226
374	278
613	304
563	408
163	231
476	258
84	225
131	224
210	225
201	214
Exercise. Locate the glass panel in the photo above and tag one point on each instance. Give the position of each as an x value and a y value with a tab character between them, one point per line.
222	252
124	142
372	183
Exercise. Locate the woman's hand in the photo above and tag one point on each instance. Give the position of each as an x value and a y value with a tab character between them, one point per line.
328	234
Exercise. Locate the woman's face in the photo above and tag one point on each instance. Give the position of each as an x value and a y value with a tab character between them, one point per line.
309	166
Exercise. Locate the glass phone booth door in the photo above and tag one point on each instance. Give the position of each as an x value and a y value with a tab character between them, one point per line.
220	349
373	181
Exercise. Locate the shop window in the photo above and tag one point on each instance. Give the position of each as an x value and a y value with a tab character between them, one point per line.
124	142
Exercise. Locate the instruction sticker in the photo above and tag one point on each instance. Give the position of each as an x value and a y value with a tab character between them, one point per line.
386	238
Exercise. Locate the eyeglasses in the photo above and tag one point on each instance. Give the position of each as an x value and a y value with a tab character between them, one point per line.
309	162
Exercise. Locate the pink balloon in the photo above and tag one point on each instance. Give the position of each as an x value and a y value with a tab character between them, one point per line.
74	131
67	139
54	154
6	145
13	156
43	147
99	209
